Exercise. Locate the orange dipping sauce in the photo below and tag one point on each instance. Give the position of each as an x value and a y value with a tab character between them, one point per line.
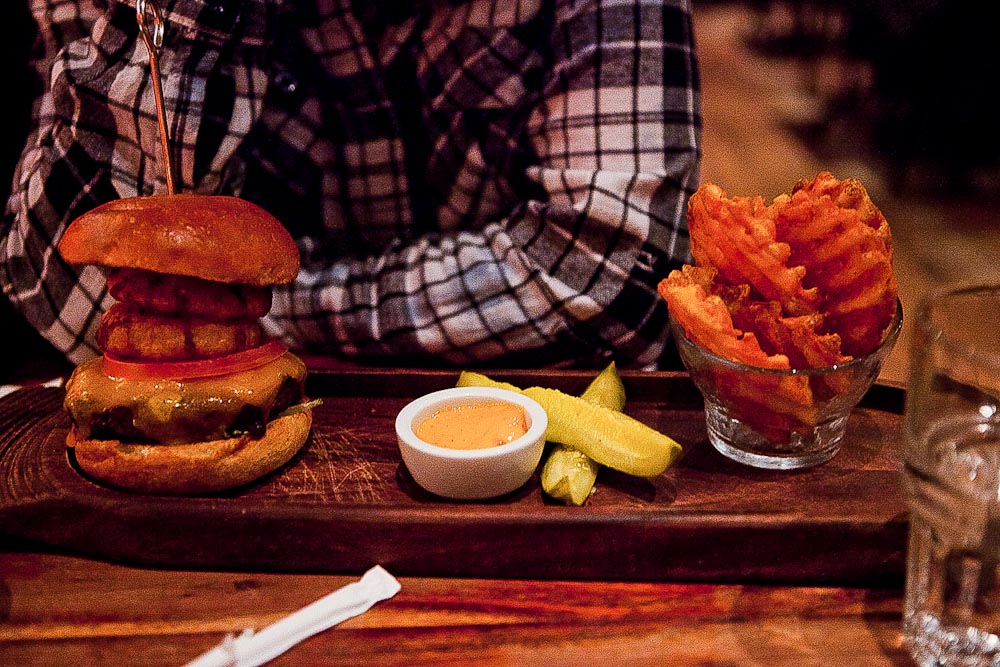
474	425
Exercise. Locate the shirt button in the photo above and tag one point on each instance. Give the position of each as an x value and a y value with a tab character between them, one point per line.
286	82
220	14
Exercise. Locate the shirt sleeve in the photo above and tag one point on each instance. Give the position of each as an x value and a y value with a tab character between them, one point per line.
569	277
95	137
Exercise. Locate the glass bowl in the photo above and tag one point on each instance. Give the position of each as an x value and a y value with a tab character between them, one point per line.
780	419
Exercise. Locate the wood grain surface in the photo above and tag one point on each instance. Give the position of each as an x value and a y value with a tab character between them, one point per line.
347	501
57	610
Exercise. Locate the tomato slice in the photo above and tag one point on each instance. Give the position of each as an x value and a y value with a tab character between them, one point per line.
190	370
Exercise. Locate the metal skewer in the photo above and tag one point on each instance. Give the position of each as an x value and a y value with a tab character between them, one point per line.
153	41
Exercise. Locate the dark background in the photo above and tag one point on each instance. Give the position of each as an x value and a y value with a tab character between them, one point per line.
926	119
30	356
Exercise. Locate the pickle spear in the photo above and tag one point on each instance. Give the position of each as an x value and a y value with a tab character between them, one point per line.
473	379
606	389
593	431
611	438
568	474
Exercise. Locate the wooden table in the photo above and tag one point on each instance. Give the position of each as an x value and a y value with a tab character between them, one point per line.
59	610
714	564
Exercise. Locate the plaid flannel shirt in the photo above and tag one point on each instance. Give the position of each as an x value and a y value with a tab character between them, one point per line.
470	182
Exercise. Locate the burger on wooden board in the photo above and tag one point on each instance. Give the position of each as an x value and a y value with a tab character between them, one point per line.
189	396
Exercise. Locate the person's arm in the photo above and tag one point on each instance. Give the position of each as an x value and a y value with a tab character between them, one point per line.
570	275
95	137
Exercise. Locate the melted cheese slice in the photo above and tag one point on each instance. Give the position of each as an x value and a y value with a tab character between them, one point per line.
175	411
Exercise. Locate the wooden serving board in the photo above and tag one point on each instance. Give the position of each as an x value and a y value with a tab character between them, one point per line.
347	502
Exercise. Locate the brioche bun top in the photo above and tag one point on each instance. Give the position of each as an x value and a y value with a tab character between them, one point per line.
225	239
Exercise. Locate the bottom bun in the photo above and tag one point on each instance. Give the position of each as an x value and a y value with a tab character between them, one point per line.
192	469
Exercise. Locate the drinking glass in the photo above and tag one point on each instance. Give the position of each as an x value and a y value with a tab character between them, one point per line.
951	463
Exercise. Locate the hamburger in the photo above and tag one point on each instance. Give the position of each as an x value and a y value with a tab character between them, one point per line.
188	396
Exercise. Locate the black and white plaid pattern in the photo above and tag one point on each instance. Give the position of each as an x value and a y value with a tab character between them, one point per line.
470	182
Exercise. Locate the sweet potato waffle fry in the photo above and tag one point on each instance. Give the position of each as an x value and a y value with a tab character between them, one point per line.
693	301
738	237
803	282
834	229
774	405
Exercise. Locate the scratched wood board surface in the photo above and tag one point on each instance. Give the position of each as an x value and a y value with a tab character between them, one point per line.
347	502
